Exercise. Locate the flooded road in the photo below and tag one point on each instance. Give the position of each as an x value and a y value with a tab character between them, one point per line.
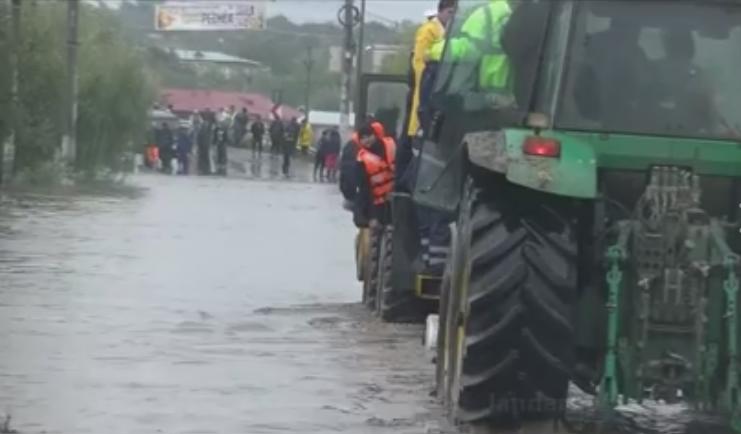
204	306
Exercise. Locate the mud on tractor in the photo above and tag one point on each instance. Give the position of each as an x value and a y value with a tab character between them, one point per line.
597	200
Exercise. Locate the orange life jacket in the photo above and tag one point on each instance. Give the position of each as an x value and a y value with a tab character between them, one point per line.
380	171
153	153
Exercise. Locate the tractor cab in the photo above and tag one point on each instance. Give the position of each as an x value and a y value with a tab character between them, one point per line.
615	67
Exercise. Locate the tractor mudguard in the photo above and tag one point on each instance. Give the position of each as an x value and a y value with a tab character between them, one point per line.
572	174
405	242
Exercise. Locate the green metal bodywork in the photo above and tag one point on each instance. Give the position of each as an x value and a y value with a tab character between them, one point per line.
575	173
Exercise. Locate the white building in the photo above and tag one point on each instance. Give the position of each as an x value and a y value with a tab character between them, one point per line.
211	61
324	120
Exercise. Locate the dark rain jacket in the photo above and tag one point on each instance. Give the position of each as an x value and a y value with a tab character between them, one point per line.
348	177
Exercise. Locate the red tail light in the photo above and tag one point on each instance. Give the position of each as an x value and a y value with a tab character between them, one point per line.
542	147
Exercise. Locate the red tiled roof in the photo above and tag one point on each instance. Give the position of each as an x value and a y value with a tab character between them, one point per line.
189	100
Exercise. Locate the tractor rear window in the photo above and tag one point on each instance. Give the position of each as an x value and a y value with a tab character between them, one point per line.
490	57
654	67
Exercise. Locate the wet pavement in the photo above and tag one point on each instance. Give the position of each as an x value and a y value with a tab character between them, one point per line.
206	305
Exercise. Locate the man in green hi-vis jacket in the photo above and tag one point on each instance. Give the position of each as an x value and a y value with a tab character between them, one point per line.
480	40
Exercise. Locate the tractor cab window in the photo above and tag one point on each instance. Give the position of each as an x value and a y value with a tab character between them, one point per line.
654	67
386	101
491	54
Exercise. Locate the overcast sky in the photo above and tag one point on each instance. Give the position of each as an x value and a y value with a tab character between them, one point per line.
326	10
302	11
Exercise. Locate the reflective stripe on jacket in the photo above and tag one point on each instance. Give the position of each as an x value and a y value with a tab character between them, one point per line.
380	171
480	41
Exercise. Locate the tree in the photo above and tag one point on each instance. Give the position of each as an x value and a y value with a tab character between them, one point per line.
115	90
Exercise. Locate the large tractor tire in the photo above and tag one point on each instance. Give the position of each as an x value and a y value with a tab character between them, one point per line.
509	341
452	279
384	269
393	304
370	283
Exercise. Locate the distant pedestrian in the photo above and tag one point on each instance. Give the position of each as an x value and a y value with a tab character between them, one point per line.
321	147
331	153
240	126
151	151
277	133
165	144
221	138
306	136
290	139
204	139
258	132
348	169
184	146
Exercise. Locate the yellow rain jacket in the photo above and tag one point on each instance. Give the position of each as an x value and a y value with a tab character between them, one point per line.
428	34
306	136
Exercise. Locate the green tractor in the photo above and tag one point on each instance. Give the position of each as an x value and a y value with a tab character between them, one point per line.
394	287
598	210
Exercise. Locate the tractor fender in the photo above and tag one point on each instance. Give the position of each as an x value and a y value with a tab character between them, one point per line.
573	174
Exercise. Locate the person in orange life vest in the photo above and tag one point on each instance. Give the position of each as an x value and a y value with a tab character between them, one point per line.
375	175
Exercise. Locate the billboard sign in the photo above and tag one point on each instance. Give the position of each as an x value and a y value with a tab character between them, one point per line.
210	15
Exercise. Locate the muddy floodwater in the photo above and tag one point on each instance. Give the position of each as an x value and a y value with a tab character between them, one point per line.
205	305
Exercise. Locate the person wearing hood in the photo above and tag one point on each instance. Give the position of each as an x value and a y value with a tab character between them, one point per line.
375	173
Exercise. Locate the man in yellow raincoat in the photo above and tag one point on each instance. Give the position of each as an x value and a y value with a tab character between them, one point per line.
305	137
427	35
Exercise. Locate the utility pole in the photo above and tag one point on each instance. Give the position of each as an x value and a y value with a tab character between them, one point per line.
69	142
309	64
361	55
347	65
7	150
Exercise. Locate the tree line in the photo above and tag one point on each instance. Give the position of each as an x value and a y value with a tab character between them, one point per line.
115	89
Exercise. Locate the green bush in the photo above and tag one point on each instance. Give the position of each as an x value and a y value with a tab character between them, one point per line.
115	91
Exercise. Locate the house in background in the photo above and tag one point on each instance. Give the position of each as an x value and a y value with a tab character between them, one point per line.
225	65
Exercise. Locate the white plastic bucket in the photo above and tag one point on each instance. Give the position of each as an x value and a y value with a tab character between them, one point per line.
432	326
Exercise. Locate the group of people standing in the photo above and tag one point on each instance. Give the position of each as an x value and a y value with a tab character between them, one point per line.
208	135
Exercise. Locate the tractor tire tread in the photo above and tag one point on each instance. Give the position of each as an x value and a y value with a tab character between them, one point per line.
519	332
